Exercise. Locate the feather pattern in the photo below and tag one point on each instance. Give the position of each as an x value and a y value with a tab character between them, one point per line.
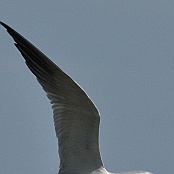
76	118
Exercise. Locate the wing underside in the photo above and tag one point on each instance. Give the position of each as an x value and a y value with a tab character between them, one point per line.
75	116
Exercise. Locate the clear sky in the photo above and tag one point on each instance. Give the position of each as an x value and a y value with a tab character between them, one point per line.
120	52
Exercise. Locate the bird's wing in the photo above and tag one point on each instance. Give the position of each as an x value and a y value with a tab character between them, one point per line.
76	118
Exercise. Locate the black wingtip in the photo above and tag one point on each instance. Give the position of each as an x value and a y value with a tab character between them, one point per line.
9	29
4	25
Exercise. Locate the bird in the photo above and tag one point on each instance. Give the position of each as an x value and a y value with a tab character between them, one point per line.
76	118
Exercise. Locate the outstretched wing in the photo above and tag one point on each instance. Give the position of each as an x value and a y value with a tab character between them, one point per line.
75	116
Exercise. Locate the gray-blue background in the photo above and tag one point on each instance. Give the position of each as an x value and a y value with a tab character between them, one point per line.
120	52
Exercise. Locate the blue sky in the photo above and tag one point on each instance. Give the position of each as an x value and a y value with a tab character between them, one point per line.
120	52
